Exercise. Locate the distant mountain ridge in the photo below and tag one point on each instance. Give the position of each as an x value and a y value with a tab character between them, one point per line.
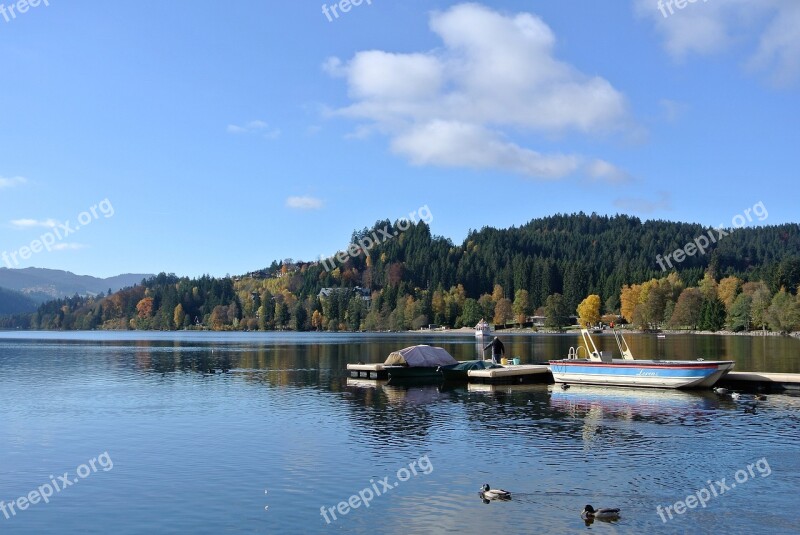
41	285
12	302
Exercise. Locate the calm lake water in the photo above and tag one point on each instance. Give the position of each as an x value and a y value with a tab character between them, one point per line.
255	433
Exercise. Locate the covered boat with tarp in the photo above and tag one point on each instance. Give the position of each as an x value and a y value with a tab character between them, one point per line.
460	371
417	362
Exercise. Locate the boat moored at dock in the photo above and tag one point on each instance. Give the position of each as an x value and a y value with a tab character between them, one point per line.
600	369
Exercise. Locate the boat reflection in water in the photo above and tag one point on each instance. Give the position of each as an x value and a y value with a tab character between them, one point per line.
632	403
609	412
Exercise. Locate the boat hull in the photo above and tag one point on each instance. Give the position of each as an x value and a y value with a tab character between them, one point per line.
641	373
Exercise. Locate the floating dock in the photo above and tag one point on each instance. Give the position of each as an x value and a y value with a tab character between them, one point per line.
758	380
368	371
519	373
540	373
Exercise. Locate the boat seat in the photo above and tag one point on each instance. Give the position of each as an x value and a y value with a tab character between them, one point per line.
606	356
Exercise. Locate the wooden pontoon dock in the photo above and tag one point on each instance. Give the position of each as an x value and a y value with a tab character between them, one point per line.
534	373
758	380
513	373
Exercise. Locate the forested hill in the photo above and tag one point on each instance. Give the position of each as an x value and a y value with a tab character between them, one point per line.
580	254
415	277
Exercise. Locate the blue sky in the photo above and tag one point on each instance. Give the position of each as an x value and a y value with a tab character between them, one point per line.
226	135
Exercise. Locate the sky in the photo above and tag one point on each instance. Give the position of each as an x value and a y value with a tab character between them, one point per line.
207	137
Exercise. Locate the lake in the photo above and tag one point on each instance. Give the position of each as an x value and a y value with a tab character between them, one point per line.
202	432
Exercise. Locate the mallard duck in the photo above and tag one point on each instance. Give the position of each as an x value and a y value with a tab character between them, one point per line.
590	513
751	409
760	397
719	390
488	493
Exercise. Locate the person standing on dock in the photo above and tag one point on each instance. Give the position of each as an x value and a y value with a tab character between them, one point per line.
498	349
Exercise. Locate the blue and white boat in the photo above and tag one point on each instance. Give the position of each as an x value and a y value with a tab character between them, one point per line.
599	368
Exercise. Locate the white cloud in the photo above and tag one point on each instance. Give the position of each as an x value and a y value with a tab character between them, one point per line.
255	127
770	29
458	106
304	203
645	206
602	170
673	110
68	246
11	182
23	224
452	144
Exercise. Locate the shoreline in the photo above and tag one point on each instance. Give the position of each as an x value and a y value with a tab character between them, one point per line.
464	331
530	331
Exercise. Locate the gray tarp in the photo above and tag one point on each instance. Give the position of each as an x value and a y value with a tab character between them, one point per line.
419	356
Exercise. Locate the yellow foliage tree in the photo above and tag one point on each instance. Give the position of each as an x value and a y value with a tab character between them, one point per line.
178	316
316	320
628	299
497	293
708	286
727	290
589	310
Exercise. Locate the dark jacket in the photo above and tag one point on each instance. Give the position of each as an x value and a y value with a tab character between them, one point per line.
497	347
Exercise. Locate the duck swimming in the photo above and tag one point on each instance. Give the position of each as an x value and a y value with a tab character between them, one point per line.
590	513
719	390
488	493
564	386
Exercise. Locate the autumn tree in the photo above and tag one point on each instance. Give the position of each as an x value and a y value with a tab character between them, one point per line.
219	317
629	298
503	311
727	290
759	309
589	310
687	309
783	314
178	316
497	293
521	306
144	308
316	320
708	286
